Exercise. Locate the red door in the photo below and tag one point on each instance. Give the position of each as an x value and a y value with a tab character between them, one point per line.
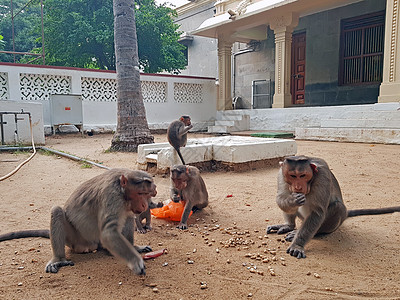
297	85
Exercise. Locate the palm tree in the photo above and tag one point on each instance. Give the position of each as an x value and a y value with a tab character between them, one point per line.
132	127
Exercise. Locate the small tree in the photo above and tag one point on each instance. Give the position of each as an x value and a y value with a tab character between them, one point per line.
132	127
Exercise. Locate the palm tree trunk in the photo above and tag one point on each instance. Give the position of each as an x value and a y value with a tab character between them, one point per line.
132	127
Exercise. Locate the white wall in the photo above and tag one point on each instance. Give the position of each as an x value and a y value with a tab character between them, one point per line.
166	97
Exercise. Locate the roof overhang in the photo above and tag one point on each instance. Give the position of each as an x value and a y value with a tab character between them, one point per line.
253	22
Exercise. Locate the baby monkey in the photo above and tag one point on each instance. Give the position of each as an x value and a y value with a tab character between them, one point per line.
308	189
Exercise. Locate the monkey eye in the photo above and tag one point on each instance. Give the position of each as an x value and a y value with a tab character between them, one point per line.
293	176
302	175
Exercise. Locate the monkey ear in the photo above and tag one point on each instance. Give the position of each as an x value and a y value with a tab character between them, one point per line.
314	167
181	119
123	181
281	163
187	169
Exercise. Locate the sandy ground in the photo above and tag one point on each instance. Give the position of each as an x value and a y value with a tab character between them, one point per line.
358	261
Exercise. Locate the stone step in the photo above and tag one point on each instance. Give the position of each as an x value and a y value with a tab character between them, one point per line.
219	129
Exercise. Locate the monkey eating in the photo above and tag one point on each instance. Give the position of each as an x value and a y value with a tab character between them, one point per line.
99	214
308	189
177	134
187	185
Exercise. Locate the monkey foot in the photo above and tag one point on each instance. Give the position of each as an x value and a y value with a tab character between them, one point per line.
54	267
280	229
290	236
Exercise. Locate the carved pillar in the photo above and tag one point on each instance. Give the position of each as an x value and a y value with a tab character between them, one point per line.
390	86
283	27
224	101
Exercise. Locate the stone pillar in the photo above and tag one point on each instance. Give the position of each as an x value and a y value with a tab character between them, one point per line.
390	86
224	101
283	27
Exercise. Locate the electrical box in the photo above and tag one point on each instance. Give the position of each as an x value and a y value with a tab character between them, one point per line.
66	110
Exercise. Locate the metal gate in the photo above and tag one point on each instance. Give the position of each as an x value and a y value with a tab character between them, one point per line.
261	94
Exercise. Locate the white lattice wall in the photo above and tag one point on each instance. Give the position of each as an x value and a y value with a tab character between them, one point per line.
99	89
38	87
154	91
4	86
188	92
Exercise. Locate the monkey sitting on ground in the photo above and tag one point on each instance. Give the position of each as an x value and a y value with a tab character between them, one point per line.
177	134
308	189
146	215
188	186
99	215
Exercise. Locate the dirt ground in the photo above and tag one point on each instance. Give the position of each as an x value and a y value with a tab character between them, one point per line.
225	244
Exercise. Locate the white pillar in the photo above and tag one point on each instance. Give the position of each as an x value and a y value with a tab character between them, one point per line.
390	86
224	101
283	27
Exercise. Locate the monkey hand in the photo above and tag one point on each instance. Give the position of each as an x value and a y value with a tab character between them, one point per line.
280	229
296	251
176	198
299	199
137	266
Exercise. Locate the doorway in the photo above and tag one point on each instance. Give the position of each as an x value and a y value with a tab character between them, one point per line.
298	68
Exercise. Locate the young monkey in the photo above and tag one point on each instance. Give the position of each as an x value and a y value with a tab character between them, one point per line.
177	134
187	185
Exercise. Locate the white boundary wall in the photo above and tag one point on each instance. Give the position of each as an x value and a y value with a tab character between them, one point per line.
166	97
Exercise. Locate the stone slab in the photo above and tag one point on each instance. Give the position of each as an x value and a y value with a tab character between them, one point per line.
226	149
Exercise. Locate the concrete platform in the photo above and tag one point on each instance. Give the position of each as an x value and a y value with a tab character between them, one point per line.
227	151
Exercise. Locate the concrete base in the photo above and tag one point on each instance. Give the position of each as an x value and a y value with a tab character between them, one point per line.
358	135
230	150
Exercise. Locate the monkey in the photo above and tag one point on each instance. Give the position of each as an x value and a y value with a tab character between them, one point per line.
146	215
177	134
99	214
187	185
308	189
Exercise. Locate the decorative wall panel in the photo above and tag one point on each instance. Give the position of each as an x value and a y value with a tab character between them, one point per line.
99	89
38	87
188	92
4	86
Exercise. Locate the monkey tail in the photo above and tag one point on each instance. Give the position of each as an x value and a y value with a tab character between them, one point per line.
180	156
372	211
45	233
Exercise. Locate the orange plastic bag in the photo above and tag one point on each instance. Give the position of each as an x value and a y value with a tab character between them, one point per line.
171	210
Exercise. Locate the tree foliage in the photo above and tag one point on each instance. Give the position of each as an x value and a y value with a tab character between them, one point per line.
27	24
80	33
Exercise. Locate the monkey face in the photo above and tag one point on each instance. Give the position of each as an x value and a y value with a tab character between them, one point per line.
138	191
138	198
298	180
180	180
186	120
